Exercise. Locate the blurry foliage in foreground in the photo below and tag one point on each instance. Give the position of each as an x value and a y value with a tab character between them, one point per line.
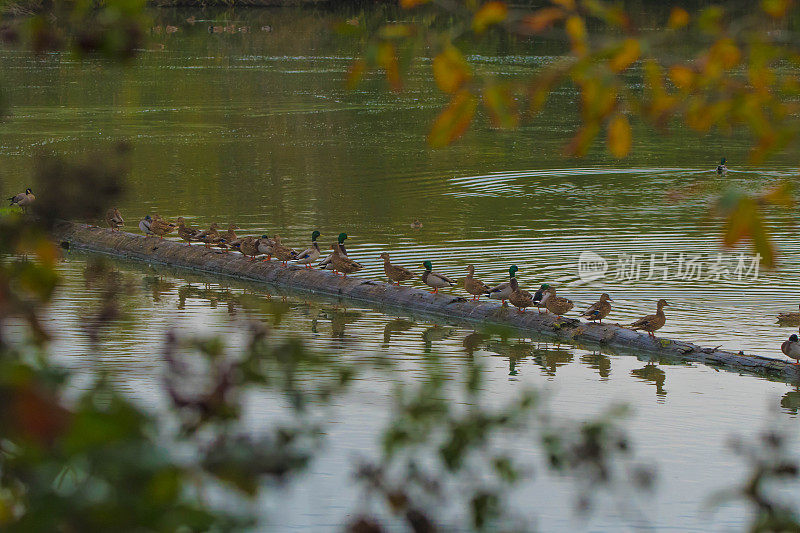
744	76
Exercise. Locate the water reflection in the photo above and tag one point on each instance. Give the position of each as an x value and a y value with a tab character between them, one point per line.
598	361
652	374
550	359
398	325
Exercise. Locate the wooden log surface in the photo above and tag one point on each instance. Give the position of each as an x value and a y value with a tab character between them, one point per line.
380	294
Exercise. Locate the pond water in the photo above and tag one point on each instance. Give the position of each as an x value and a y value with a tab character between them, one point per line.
255	128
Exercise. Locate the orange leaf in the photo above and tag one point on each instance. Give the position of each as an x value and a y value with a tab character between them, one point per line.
454	120
501	106
489	13
780	195
682	77
744	221
626	56
387	58
776	8
678	18
408	4
543	19
450	70
576	29
355	73
580	143
619	136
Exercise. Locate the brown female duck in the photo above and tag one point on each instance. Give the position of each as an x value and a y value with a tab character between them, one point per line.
558	305
599	310
114	219
342	263
395	273
473	285
652	323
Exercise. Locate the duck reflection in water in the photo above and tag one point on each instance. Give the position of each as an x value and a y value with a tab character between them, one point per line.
515	353
552	358
598	361
474	341
790	402
651	373
434	334
157	286
398	325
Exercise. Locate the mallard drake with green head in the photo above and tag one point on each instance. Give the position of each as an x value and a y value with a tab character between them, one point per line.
114	219
791	348
519	298
722	168
312	253
599	310
540	296
652	323
395	273
432	279
326	263
473	285
342	263
503	291
558	305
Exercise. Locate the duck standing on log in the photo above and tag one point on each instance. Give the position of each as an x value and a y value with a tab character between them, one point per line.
791	348
519	298
144	225
310	254
540	297
395	273
248	246
558	305
473	285
652	323
265	245
186	232
210	236
599	310
326	263
503	290
114	219
342	263
282	253
432	279
23	199
161	227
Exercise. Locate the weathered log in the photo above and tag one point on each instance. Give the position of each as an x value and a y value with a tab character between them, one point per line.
377	293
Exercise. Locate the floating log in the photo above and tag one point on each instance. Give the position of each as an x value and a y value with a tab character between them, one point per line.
377	293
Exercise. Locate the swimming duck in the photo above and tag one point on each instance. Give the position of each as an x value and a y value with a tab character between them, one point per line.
503	291
144	225
599	309
265	245
558	305
342	263
519	298
395	273
651	323
186	232
789	317
473	285
210	236
541	296
326	263
248	246
161	227
114	219
310	254
23	199
437	281
282	253
722	169
416	225
791	348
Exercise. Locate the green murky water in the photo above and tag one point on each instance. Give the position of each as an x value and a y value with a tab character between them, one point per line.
254	127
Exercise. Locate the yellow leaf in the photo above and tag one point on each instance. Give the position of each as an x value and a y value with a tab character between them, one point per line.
387	58
580	143
776	8
576	29
489	13
355	73
744	221
678	18
395	31
682	77
619	136
450	70
454	120
543	19
726	53
501	106
408	4
780	195
626	56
